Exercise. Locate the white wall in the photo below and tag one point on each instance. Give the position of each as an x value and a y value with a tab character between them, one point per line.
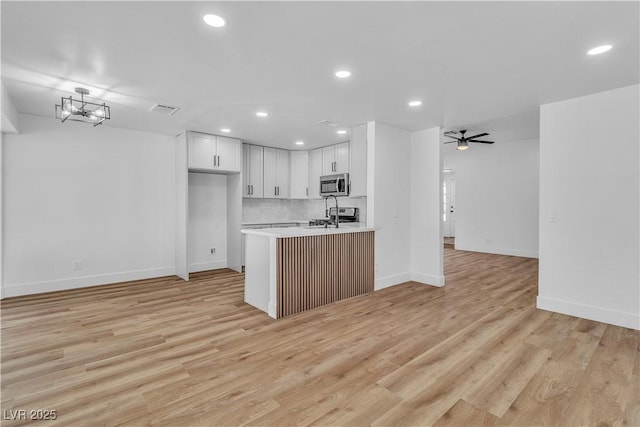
102	196
390	153
589	180
426	192
207	221
497	194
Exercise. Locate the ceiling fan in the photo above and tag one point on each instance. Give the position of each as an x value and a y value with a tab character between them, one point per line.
463	142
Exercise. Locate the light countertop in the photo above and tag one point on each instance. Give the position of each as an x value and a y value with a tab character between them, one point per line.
308	231
265	222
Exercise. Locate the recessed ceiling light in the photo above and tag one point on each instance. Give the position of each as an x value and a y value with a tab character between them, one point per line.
415	103
225	130
600	49
299	142
262	114
343	74
342	132
214	20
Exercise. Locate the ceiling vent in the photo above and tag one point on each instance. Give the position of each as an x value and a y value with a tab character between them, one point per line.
328	123
165	110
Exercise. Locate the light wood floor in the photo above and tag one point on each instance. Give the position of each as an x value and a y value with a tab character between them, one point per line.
166	352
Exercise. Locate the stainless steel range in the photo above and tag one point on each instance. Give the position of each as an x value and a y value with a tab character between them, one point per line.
344	215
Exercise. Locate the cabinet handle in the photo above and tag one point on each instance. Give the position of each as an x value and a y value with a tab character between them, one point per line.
214	161
307	191
275	191
252	189
248	190
218	161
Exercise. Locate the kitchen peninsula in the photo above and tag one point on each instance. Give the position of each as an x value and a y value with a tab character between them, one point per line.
290	270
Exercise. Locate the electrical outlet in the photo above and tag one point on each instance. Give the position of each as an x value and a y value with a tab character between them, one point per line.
76	264
213	251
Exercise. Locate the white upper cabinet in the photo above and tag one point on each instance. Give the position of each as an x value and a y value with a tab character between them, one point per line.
335	159
358	157
229	153
214	154
342	158
299	175
253	171
276	173
315	171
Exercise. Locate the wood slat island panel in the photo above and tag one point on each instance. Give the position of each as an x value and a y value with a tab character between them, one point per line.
316	270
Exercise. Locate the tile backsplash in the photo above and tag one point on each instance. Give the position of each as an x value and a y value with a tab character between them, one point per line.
255	210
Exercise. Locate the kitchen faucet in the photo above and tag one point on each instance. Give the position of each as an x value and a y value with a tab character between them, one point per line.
326	211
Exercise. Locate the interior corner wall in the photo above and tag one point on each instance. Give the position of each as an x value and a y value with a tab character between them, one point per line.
426	194
9	123
85	206
589	207
391	157
497	196
1	219
234	222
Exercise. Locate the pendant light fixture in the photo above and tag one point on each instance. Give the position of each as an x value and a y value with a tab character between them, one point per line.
81	110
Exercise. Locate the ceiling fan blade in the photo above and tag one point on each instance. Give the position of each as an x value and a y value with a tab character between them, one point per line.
449	142
451	132
478	135
483	142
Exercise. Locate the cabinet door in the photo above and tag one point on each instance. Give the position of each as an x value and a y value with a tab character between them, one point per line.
341	164
255	171
282	173
201	150
246	162
299	173
315	171
328	160
358	161
229	154
270	182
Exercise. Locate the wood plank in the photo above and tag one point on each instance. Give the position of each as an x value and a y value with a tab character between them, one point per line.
465	414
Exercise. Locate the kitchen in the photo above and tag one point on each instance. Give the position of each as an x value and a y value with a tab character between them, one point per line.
273	180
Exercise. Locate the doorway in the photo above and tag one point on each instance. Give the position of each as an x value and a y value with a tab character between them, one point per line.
449	207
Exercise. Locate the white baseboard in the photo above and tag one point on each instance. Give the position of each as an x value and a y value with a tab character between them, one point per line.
83	282
599	314
394	279
427	279
206	266
499	251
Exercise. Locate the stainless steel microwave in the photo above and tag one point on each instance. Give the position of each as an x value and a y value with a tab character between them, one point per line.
334	185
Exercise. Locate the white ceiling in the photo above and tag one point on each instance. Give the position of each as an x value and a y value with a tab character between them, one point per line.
470	63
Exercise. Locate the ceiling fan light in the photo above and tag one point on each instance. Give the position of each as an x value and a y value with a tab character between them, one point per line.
463	145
